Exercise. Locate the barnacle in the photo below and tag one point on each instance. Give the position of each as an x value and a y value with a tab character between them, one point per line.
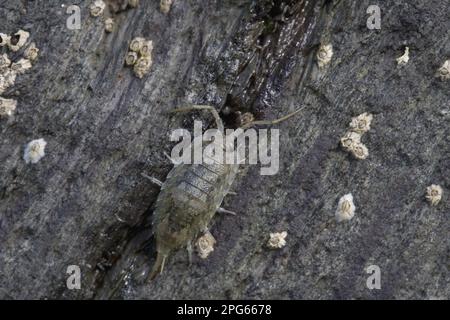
7	79
277	240
434	194
109	25
324	55
34	151
32	52
4	40
142	66
361	123
136	44
21	66
246	118
131	58
18	40
346	208
444	71
359	151
205	245
4	62
164	6
133	3
7	106
350	139
404	58
146	48
97	8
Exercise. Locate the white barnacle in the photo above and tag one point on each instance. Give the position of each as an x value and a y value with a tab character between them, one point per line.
97	8
133	3
21	66
359	151
434	194
164	6
404	58
142	66
324	55
136	44
4	62
350	139
277	240
131	58
346	208
18	40
7	79
7	106
205	245
361	123
4	40
146	48
109	25
34	151
32	52
444	71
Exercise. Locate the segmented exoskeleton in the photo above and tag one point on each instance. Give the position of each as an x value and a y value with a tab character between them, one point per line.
190	196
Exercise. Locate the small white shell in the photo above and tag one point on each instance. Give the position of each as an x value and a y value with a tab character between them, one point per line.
324	55
142	66
444	71
4	40
146	48
404	58
165	5
21	66
359	151
131	58
97	8
109	25
34	151
434	194
361	123
7	106
277	240
350	139
136	44
32	52
18	40
7	79
205	245
4	62
346	208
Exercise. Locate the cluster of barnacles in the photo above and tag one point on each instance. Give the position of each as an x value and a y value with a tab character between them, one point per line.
98	7
351	141
140	56
9	70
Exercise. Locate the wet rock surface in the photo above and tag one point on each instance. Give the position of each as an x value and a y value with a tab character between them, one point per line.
85	203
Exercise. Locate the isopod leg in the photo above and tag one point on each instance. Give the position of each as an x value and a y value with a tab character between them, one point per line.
152	179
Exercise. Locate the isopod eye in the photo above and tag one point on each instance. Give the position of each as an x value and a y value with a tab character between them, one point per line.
444	71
